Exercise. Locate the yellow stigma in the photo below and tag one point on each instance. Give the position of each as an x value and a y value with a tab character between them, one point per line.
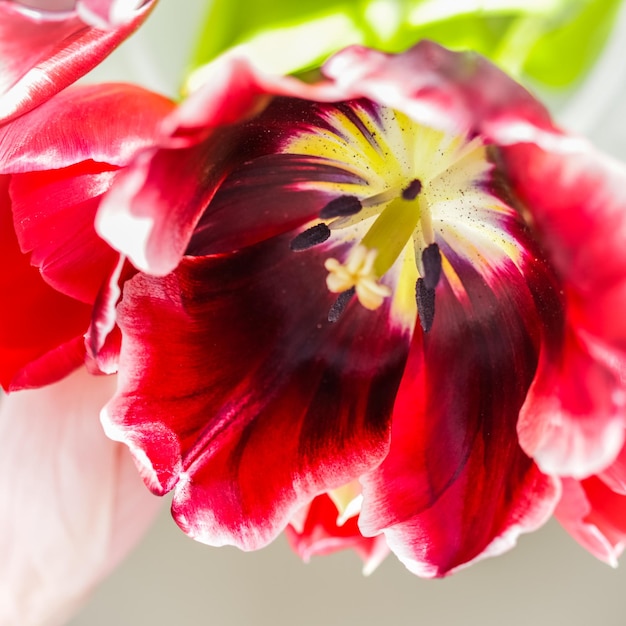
357	272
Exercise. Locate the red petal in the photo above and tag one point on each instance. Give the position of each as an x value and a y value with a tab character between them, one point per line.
320	535
236	390
595	516
64	202
42	53
573	422
54	197
456	486
71	503
83	123
40	329
614	476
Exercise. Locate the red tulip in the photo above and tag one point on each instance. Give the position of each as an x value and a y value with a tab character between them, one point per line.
374	276
403	274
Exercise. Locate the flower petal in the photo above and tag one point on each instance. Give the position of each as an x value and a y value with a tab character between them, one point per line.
108	13
594	515
75	261
573	420
83	123
40	329
167	196
152	221
58	154
321	534
72	504
614	476
456	486
255	361
41	53
457	92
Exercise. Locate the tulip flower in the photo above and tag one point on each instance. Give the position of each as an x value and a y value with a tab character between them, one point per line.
72	503
62	279
46	46
402	274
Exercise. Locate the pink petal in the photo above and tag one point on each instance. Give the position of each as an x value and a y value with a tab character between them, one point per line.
41	53
71	503
573	421
157	205
595	516
455	486
231	358
108	13
614	476
440	88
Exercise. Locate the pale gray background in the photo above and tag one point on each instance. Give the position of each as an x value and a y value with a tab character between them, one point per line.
171	580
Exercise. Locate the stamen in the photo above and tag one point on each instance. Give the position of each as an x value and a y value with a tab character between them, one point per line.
311	237
340	304
342	206
431	259
380	198
412	191
425	298
358	272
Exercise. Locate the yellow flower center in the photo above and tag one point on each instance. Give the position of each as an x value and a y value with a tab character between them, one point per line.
423	189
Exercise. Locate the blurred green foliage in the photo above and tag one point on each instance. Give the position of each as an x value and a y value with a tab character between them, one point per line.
550	42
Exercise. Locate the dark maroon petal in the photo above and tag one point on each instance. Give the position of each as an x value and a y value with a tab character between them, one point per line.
456	486
235	390
41	53
40	329
168	195
264	198
573	421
